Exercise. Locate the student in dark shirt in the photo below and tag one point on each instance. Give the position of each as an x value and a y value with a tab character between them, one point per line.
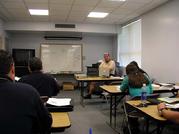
45	84
22	111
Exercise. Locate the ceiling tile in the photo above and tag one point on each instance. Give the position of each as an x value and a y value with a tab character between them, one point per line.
140	1
93	20
22	19
18	12
40	18
107	3
132	5
86	2
57	12
58	18
103	9
37	5
61	1
122	11
79	13
81	8
36	1
59	7
11	0
76	18
13	4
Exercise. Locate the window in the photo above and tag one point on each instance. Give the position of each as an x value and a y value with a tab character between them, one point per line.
129	43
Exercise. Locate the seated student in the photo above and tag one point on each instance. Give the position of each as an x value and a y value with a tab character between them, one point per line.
134	81
108	64
45	84
22	111
168	114
141	70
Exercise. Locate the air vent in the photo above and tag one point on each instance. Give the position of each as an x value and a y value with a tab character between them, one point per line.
63	38
64	25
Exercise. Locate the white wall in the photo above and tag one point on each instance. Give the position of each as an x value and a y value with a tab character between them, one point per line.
160	42
93	45
45	26
2	35
1	27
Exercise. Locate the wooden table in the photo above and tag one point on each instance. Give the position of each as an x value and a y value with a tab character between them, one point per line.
83	79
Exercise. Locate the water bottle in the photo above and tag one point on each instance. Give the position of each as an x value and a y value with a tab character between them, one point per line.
90	131
144	95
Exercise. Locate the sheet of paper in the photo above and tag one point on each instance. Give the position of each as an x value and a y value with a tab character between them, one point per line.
166	84
155	85
59	101
118	88
17	78
176	87
174	106
169	100
166	88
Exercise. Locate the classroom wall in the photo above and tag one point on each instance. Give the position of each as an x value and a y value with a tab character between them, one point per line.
94	45
49	26
1	26
160	42
2	35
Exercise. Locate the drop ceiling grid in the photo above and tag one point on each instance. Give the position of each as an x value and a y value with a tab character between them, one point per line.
76	10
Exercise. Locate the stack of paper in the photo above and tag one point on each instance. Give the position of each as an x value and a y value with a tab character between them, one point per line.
169	100
59	101
174	106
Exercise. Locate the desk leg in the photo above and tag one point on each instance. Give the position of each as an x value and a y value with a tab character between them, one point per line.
111	110
82	93
115	106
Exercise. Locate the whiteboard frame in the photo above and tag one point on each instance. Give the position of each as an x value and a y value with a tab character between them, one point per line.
65	72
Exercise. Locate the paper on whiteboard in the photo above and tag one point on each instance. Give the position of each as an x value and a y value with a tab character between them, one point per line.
59	101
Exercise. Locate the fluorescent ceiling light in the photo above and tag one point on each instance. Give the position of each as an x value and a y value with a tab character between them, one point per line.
38	12
97	14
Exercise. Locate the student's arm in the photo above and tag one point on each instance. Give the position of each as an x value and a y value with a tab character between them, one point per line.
112	65
125	84
168	114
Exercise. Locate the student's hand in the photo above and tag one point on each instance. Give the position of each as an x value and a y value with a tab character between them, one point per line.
161	106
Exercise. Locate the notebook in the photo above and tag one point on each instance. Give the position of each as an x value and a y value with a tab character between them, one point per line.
103	72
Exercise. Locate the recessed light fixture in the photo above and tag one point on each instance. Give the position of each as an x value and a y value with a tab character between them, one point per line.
38	12
97	14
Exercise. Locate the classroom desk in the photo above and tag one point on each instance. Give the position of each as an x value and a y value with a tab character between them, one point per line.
83	79
60	121
115	91
150	112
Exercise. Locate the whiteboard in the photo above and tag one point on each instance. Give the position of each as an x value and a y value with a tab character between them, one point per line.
61	58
